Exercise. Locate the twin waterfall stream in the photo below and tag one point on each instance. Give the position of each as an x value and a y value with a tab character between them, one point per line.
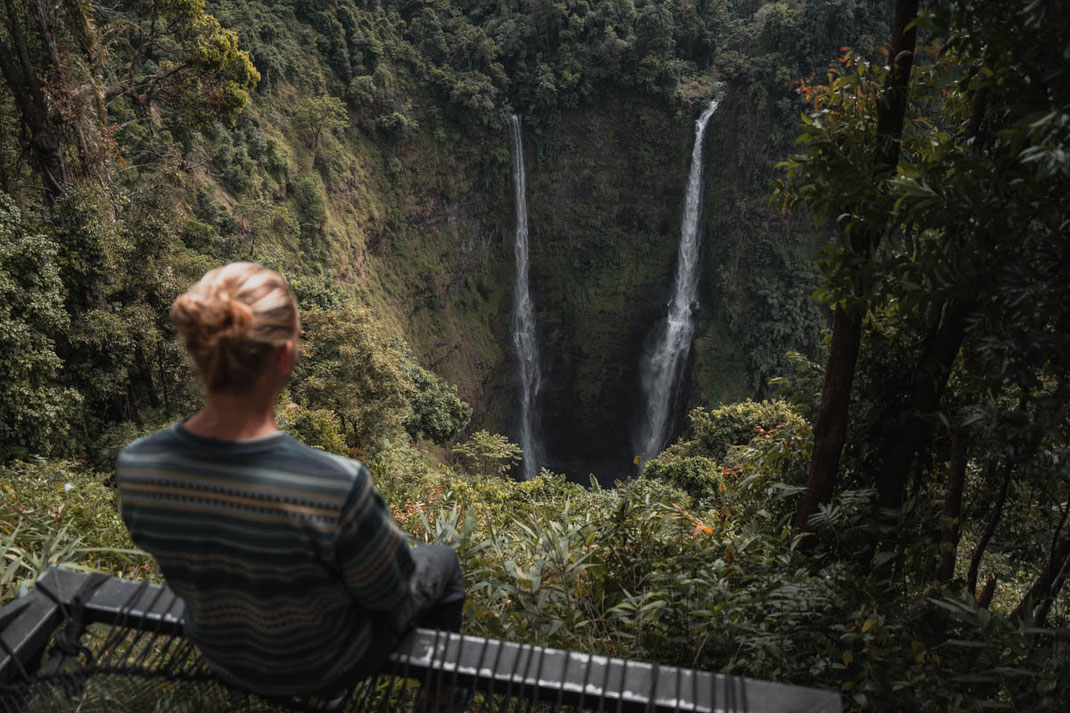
664	360
527	349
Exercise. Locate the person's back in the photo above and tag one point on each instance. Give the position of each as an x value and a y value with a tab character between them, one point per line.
295	578
281	552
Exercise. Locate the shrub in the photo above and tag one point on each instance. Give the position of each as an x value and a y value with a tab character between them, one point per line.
488	454
697	476
318	428
57	513
715	432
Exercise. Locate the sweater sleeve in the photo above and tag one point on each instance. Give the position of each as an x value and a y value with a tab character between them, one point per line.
371	551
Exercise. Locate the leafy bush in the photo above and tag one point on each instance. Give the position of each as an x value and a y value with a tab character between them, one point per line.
438	413
349	368
488	454
56	513
716	432
35	407
318	428
697	476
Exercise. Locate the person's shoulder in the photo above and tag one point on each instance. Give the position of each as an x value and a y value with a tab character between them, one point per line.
162	440
347	468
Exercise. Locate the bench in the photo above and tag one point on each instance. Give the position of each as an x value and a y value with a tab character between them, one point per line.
85	642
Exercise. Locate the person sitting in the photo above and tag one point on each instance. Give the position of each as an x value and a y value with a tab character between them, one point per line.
295	577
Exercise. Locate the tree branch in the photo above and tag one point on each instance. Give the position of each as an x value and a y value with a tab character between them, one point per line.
956	478
990	529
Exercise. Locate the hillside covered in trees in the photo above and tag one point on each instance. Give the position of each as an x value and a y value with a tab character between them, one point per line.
868	490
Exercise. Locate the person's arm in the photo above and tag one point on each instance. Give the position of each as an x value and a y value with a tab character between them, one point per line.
371	551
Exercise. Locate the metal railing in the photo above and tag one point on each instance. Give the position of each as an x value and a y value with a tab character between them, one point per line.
50	652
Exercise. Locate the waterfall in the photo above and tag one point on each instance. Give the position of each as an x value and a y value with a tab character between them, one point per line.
665	359
527	351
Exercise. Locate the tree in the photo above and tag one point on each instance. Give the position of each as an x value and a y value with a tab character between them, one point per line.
959	321
319	115
489	453
438	413
72	67
835	146
346	366
36	408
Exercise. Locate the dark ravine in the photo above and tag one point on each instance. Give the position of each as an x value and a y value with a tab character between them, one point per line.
605	193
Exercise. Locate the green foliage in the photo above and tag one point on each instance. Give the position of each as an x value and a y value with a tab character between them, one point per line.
35	405
310	207
55	513
698	476
438	413
488	454
320	115
105	448
347	367
693	563
319	428
715	433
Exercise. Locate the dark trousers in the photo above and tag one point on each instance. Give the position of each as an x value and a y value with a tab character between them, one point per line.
437	602
438	585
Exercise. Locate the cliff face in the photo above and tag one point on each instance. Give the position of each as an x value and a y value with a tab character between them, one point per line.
372	162
417	208
606	201
605	193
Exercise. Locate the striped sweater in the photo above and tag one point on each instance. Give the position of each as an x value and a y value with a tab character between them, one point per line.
282	553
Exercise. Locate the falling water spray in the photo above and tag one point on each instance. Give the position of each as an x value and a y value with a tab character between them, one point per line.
527	350
665	360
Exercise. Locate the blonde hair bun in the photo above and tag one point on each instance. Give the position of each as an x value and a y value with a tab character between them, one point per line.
230	319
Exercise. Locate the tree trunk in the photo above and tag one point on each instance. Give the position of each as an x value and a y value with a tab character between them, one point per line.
29	95
990	529
956	477
1039	598
984	599
830	427
930	379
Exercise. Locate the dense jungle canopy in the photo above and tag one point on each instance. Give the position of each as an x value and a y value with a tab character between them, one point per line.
868	488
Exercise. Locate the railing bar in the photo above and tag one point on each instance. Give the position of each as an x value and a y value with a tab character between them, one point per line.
456	659
362	690
433	670
474	683
694	693
394	682
524	678
179	656
678	694
533	699
605	683
586	680
11	654
623	682
112	641
159	623
561	681
653	697
136	641
512	676
493	670
159	661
